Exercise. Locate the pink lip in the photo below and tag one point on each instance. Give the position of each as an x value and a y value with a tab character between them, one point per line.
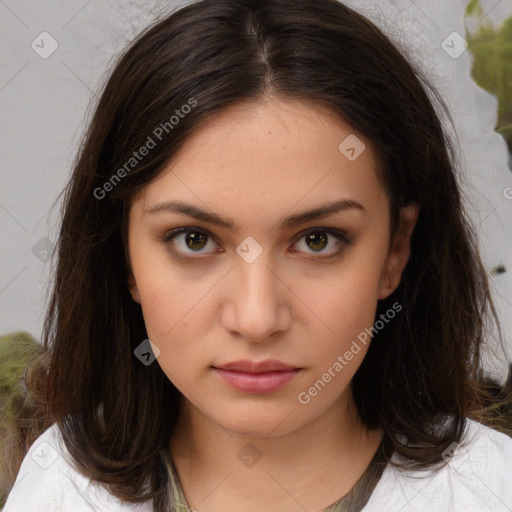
268	365
263	377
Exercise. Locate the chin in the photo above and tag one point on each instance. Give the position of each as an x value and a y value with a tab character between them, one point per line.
259	423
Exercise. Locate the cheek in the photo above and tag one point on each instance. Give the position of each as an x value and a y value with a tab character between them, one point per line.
345	304
174	315
172	300
353	288
346	312
174	312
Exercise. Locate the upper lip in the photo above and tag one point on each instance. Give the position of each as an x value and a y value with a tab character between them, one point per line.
269	365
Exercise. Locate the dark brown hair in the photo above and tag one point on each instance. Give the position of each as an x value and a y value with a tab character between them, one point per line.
422	367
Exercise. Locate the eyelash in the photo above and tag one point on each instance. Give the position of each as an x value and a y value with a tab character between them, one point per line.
339	235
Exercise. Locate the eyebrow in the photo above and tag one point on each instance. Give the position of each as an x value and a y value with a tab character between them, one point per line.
198	213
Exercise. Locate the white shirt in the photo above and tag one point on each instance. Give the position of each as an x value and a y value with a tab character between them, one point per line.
477	478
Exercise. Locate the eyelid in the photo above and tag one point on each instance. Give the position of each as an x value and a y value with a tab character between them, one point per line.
169	235
339	234
332	231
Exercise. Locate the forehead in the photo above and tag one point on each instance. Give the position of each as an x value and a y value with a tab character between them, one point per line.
266	154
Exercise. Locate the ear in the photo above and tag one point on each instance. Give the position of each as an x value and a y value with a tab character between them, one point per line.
399	252
132	286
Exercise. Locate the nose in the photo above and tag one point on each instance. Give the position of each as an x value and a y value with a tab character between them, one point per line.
257	301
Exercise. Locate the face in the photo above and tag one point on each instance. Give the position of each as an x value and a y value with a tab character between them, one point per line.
234	256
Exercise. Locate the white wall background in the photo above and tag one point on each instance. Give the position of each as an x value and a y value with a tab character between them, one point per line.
44	100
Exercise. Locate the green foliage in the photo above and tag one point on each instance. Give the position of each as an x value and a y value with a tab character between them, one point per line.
473	8
492	67
15	351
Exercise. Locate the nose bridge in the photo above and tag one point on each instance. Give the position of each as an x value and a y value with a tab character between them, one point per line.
257	298
257	281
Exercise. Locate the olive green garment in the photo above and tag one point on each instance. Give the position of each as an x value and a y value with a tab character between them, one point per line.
354	501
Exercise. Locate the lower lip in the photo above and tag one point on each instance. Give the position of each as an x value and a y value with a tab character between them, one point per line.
257	382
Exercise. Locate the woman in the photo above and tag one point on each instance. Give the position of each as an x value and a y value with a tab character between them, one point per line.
268	296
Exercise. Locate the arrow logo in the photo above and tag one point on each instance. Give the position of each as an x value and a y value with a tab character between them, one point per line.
44	45
454	45
351	147
43	249
44	455
249	249
147	352
249	455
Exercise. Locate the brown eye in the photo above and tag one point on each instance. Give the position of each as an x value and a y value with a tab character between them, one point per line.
317	240
195	240
187	241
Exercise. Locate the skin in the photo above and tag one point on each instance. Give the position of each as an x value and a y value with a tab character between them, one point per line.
256	164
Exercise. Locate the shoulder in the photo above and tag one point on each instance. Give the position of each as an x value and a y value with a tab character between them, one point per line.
47	481
476	477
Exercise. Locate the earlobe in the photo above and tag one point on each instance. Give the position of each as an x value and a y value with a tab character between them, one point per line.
132	286
400	251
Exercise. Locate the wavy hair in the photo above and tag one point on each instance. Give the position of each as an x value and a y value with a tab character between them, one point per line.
421	376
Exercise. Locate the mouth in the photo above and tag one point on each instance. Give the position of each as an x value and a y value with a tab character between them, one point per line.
253	377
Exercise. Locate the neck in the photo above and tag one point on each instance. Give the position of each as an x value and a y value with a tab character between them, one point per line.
315	464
